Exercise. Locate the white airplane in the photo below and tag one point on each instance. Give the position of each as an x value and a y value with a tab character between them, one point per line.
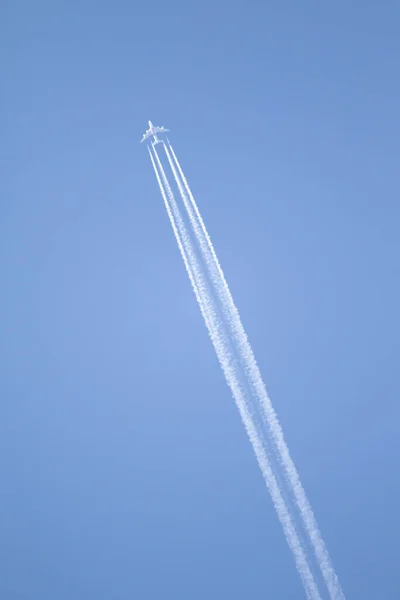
152	131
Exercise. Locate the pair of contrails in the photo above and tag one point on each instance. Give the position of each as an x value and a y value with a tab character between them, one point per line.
243	376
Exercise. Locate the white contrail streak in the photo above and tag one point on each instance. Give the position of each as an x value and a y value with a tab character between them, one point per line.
172	209
251	367
227	363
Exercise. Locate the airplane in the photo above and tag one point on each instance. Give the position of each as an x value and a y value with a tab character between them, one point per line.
152	131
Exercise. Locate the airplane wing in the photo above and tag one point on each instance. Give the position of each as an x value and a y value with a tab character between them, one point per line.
153	131
145	136
159	130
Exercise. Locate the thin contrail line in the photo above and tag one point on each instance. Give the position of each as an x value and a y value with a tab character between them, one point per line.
227	362
245	350
174	216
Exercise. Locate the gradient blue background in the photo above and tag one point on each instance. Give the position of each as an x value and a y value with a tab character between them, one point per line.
124	468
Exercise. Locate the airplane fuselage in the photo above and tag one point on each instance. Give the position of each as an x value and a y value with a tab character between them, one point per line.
153	132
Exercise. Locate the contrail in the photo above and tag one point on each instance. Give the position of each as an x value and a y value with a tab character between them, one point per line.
174	217
227	362
255	379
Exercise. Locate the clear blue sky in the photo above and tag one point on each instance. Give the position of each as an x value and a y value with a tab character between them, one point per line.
125	470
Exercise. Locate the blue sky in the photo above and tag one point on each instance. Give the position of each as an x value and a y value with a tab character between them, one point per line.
125	470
